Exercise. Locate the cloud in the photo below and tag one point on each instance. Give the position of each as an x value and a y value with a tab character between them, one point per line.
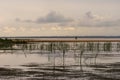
52	17
89	19
9	29
93	20
69	28
19	20
57	28
110	23
89	15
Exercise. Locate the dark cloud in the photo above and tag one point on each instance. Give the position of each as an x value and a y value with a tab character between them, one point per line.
93	20
51	17
89	15
19	20
28	21
63	24
111	23
89	20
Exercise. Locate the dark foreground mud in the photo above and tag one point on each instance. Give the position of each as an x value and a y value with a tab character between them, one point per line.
73	72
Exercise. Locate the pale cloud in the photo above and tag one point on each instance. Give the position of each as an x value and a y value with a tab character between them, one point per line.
22	29
34	29
58	28
69	28
9	30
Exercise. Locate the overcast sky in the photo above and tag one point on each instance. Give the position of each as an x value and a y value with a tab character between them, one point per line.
59	17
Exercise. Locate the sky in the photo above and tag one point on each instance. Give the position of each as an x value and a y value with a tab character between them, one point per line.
59	18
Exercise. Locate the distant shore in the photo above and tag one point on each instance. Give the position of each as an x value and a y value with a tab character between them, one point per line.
27	39
19	37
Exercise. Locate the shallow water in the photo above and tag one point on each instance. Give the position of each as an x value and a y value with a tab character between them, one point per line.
60	61
35	65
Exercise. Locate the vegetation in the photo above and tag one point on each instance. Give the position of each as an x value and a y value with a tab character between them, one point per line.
8	43
5	43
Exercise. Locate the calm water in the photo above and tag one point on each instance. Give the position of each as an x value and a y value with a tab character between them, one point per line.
41	62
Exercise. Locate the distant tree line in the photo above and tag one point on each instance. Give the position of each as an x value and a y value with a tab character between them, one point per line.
10	41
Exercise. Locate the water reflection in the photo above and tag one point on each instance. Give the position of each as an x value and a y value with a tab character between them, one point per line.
60	61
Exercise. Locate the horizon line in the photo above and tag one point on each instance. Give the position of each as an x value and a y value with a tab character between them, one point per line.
59	36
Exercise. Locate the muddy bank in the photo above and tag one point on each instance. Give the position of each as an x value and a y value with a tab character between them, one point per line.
38	72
